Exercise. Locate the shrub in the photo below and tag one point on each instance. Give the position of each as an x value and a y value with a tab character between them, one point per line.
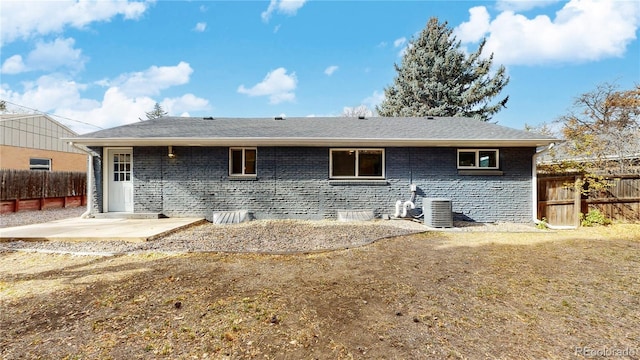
542	225
594	217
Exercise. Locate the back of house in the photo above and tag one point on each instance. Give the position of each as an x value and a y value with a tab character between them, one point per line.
310	168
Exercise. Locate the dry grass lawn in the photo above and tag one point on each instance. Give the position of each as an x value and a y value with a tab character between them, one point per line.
432	295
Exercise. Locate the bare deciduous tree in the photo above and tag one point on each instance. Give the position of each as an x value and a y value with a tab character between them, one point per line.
357	111
603	127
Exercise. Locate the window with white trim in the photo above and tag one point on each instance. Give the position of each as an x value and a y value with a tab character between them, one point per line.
242	161
478	159
40	164
356	163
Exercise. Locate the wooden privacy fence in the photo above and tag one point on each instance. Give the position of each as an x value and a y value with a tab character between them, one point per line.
37	190
560	199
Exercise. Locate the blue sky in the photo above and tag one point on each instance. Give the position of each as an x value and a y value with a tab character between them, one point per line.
99	64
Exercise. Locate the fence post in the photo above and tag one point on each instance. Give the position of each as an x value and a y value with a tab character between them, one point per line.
577	199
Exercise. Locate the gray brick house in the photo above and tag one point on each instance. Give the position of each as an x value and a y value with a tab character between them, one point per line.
308	168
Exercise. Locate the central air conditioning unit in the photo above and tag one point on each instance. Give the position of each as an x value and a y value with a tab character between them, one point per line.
437	212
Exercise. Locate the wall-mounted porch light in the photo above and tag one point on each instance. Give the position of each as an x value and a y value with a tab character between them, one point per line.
171	153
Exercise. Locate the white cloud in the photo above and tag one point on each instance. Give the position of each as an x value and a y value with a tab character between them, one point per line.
522	5
117	108
367	106
59	53
13	65
399	42
184	104
25	19
477	26
200	27
404	50
152	80
47	56
278	85
287	7
583	30
374	100
119	105
47	93
290	7
266	15
330	70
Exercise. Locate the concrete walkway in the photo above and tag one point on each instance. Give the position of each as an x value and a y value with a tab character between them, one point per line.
78	229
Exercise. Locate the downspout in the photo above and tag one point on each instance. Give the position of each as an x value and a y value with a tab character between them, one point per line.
534	192
91	154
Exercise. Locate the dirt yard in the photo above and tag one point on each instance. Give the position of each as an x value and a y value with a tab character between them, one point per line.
434	295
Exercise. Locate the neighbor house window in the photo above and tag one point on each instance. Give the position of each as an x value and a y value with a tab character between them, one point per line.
40	164
242	161
356	163
478	159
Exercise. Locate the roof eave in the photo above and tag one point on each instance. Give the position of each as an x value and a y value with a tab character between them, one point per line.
310	142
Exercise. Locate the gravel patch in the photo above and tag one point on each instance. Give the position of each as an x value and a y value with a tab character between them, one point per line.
40	216
466	226
261	236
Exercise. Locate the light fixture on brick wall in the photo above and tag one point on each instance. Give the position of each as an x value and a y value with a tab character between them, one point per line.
171	153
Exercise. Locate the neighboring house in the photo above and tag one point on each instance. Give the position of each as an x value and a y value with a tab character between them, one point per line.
34	142
311	167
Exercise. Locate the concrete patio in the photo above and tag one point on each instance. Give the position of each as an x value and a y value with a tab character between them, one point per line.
78	229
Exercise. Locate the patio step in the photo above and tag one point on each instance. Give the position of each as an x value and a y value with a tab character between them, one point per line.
126	215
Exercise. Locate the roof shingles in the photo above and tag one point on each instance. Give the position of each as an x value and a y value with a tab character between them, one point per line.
310	131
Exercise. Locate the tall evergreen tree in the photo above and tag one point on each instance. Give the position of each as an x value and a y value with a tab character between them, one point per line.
436	78
157	112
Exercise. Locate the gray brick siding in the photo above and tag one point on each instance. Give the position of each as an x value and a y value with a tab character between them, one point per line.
294	183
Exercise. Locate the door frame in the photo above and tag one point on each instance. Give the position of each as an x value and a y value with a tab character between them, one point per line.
106	174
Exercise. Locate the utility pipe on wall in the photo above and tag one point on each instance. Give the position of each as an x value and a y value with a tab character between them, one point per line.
407	204
402	208
398	205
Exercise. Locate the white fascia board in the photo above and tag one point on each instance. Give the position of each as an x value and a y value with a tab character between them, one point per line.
309	142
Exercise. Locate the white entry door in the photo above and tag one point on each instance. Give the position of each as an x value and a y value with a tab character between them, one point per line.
120	180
